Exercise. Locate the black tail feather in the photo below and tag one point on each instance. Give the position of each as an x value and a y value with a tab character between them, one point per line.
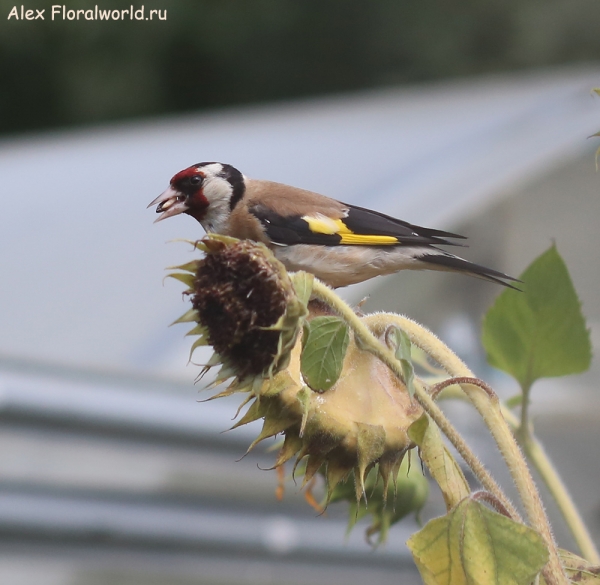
450	262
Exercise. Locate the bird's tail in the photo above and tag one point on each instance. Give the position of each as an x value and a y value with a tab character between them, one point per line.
445	261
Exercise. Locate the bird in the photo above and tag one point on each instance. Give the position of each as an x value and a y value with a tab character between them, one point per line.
341	244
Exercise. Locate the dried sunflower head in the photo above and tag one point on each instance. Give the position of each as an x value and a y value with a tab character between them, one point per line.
245	307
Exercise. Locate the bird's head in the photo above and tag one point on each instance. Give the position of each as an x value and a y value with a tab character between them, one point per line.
207	191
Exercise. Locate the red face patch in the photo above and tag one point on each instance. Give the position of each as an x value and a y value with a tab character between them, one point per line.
190	182
188	173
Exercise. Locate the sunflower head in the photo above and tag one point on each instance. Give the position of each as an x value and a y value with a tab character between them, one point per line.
245	307
340	411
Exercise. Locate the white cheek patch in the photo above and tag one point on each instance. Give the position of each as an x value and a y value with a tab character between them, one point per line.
218	192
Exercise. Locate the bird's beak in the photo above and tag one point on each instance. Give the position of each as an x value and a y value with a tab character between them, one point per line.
170	203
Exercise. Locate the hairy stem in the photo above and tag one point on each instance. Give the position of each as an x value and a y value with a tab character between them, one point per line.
523	431
540	460
489	409
534	450
549	475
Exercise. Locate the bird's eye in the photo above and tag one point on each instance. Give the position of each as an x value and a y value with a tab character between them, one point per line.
195	180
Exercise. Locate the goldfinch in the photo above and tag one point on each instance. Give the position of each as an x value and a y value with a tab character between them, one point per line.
340	244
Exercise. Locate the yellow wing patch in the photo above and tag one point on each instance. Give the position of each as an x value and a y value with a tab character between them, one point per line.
321	224
350	238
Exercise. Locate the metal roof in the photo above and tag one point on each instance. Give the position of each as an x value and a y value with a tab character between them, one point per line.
102	469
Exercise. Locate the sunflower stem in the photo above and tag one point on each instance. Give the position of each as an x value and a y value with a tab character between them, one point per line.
491	411
488	408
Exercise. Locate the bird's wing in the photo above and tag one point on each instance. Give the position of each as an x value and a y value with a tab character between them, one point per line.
358	226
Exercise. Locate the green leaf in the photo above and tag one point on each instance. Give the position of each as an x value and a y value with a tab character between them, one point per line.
303	283
323	352
474	545
578	570
401	344
443	467
541	332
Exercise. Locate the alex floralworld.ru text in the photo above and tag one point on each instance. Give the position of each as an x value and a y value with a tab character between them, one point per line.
62	12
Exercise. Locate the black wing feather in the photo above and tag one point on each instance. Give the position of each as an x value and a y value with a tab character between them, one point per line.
368	222
292	229
454	263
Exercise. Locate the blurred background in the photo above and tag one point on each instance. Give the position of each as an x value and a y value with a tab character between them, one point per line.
469	117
